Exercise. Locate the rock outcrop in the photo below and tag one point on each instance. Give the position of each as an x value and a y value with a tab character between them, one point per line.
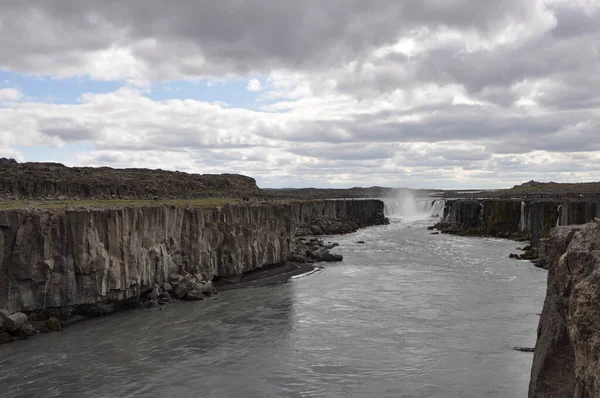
94	258
56	181
566	362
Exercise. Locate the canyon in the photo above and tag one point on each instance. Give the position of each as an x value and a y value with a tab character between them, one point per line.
91	260
80	242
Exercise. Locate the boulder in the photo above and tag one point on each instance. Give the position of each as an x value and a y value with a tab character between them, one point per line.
524	349
330	257
195	295
167	287
53	324
153	295
322	254
27	330
13	322
199	277
164	296
186	285
316	230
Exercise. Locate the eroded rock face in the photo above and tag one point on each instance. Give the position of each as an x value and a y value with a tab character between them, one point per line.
566	362
516	219
331	217
94	258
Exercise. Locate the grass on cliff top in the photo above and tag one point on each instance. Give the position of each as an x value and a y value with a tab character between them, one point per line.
64	204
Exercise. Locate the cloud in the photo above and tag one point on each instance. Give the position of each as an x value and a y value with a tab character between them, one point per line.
9	94
350	92
254	85
191	39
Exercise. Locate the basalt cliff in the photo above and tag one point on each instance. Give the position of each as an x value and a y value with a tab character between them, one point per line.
566	361
81	256
524	219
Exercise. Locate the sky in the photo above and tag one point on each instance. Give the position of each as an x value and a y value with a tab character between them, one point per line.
323	93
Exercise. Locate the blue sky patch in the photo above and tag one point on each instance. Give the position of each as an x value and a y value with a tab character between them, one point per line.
54	90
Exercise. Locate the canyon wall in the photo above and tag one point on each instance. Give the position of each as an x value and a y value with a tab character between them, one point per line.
56	258
566	361
508	218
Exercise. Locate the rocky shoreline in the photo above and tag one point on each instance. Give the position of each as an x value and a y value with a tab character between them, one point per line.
21	326
237	246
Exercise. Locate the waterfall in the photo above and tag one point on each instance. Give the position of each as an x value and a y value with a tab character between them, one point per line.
523	222
437	208
408	206
558	215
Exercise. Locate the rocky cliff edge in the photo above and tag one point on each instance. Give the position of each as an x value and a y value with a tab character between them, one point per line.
567	354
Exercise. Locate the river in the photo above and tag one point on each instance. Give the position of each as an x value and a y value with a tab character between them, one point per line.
406	314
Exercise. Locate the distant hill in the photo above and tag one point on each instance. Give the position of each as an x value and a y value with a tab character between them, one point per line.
535	190
57	181
356	192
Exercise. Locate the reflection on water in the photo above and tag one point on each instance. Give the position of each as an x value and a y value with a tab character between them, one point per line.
407	314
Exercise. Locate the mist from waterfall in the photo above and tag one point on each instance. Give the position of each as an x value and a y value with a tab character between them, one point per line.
406	206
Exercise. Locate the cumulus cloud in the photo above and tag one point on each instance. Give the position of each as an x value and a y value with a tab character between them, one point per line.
349	92
9	94
254	85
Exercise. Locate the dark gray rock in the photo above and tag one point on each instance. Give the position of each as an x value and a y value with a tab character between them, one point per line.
565	362
5	338
153	295
524	349
13	322
316	230
195	295
186	285
165	296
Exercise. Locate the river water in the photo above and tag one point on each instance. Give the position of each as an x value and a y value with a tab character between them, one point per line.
406	314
